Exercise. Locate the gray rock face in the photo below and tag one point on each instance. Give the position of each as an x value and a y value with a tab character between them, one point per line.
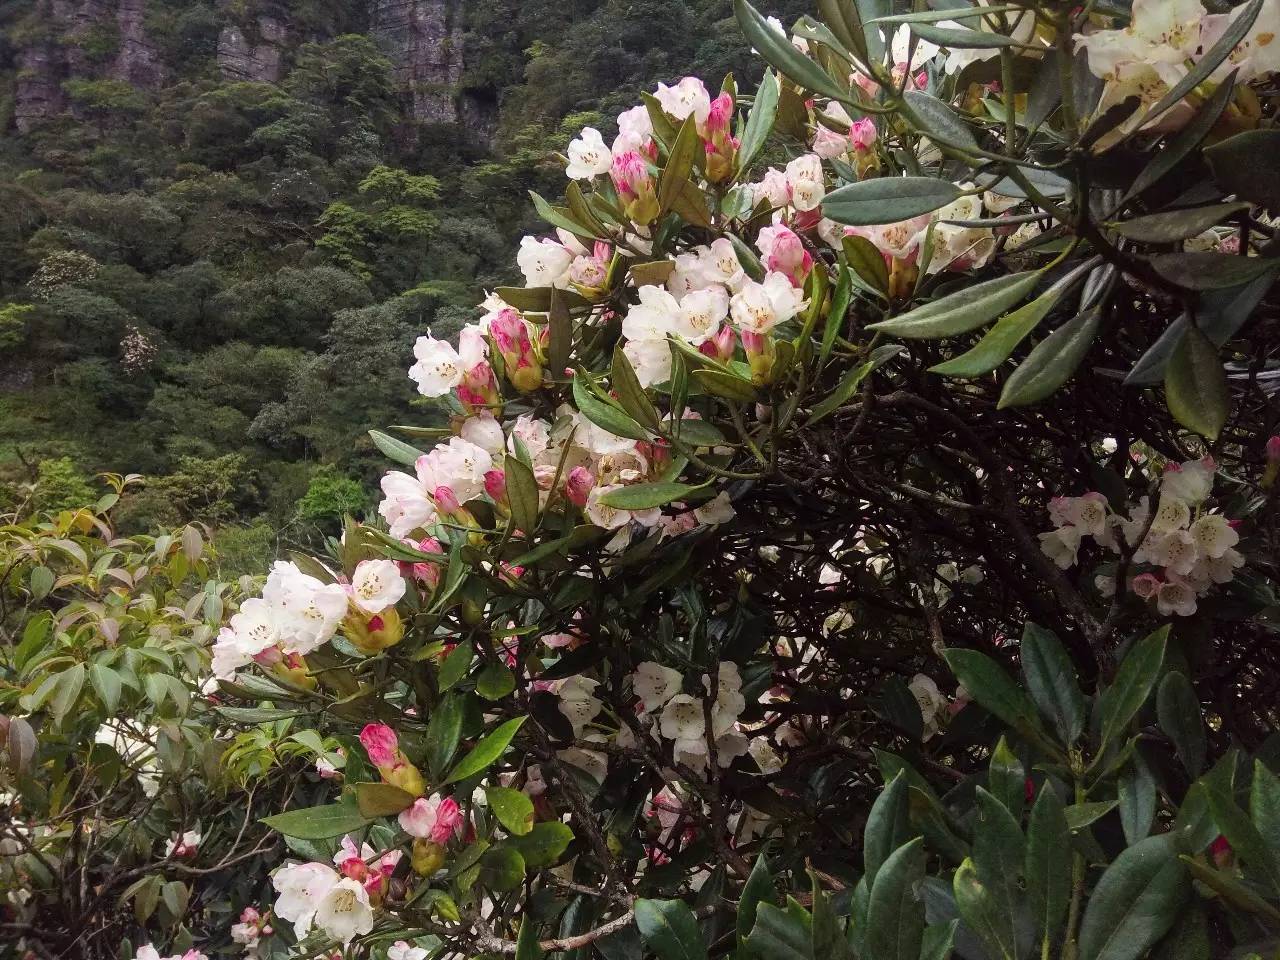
240	59
44	65
423	40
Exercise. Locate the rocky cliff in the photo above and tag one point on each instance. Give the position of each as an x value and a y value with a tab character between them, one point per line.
61	40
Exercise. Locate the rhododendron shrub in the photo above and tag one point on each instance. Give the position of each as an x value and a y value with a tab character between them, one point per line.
854	538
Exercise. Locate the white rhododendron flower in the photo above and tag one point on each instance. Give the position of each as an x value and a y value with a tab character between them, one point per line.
682	719
301	888
376	585
806	182
686	98
759	307
588	156
344	911
655	684
544	262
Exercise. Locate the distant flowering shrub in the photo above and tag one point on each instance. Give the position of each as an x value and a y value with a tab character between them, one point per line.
650	651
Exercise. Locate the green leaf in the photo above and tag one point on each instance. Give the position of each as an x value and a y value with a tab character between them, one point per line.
1170	154
850	382
394	449
604	414
670	930
382	800
1137	675
631	395
777	51
1264	804
41	582
455	666
1195	385
107	683
960	38
987	683
938	120
999	853
484	753
1080	815
1052	362
1000	341
512	808
1051	681
1137	792
1170	226
757	890
781	934
644	496
759	121
1245	838
558	217
978	909
939	940
1201	270
318	823
1208	61
495	681
543	844
1135	902
522	494
1006	779
895	917
560	334
887	200
888	827
827	939
527	942
1178	709
866	260
679	164
963	310
67	690
1235	166
1048	866
725	384
502	869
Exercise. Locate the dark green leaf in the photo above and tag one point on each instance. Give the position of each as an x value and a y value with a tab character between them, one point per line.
978	909
999	342
1006	779
1137	791
670	930
999	852
1051	681
502	869
444	729
1178	708
1264	805
495	681
1235	166
527	941
1052	362
960	38
318	823
679	164
895	918
1048	867
381	800
544	843
759	120
962	310
1135	902
604	414
777	50
1137	675
484	753
1211	271
866	260
850	382
887	200
522	494
1173	225
631	395
888	827
1208	61
987	683
938	120
1171	153
1245	838
1195	385
644	496
757	890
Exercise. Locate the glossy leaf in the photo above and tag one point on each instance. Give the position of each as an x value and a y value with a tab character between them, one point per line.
318	823
962	310
757	890
888	826
1195	385
544	843
1235	166
1052	362
999	342
513	809
1211	271
1133	683
1178	709
645	496
938	120
1169	226
605	414
759	120
887	200
1048	863
670	930
895	918
775	47
1167	158
1137	793
988	683
1051	681
484	753
394	449
1135	902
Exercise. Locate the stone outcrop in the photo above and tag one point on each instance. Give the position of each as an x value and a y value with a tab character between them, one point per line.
423	40
59	54
261	59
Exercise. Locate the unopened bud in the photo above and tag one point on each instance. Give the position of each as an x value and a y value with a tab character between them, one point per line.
578	485
426	857
1273	462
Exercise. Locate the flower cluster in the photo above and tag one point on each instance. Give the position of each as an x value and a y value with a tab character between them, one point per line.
1178	552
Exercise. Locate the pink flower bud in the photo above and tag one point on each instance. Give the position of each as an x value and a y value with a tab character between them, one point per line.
630	175
268	930
752	343
448	820
578	485
380	742
720	345
720	116
269	657
355	868
1273	450
862	133
495	485
250	915
446	500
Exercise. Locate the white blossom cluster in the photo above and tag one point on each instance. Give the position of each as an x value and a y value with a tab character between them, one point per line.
1179	552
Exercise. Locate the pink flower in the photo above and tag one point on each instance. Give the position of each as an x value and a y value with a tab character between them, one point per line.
720	116
446	500
720	345
380	742
432	818
1145	585
495	485
426	572
578	485
862	133
630	175
784	253
1273	450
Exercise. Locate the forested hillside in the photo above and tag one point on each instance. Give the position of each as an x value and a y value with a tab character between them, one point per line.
224	223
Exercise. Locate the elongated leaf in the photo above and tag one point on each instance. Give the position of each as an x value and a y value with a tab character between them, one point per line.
999	342
781	934
757	890
1211	271
522	493
962	310
960	38
1172	152
1135	902
1134	681
484	753
999	854
394	449
888	827
987	683
938	120
644	496
1171	225
1195	385
775	47
1052	362
603	414
1048	866
866	260
887	200
318	823
444	729
559	217
67	690
679	164
107	683
1245	838
1178	709
527	941
1235	166
670	930
895	918
759	120
1006	779
381	800
1137	791
1080	815
978	909
1051	681
851	381
630	394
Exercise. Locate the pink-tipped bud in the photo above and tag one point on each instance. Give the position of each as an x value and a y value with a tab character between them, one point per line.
380	742
862	134
355	868
495	485
578	485
250	915
720	116
630	174
720	345
752	342
269	657
446	500
1273	450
